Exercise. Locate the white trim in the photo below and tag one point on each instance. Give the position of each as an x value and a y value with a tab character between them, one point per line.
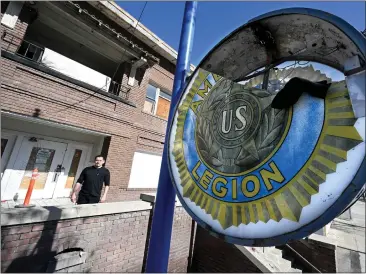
52	123
156	100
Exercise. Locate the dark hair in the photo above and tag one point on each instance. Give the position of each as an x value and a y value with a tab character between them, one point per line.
98	156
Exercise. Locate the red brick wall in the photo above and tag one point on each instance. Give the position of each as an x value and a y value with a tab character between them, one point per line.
11	44
115	243
163	78
179	249
23	89
214	255
26	88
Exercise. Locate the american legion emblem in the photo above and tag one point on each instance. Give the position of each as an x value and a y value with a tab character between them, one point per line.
247	171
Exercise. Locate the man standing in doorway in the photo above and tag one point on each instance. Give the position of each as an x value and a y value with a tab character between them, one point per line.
91	183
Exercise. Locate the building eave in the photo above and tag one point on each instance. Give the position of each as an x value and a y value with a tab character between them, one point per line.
128	22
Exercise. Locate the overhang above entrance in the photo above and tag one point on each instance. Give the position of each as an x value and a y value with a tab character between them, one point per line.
51	123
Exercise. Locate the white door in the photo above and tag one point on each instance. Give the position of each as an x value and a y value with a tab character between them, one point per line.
74	162
48	157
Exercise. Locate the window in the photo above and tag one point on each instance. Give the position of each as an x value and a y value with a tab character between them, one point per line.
30	51
73	168
149	106
157	102
40	158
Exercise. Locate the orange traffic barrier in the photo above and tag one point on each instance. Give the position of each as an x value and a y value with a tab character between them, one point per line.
30	187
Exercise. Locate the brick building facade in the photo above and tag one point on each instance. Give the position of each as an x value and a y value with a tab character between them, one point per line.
53	55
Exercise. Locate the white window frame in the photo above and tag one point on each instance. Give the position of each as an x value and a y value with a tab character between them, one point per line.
157	96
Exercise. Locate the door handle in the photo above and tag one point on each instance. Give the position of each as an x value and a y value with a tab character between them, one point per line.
58	170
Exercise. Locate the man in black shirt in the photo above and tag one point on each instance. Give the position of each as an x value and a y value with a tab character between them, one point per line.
91	183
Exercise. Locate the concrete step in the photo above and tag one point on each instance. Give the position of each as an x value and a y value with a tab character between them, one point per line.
275	255
295	270
273	250
284	264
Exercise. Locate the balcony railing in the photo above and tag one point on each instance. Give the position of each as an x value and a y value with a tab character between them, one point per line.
36	54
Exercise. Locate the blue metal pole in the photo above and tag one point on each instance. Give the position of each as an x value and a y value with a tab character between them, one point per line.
162	222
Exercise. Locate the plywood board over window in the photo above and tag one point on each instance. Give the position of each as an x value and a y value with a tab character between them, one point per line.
163	105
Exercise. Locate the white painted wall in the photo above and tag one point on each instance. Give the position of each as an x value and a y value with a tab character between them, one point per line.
74	69
145	170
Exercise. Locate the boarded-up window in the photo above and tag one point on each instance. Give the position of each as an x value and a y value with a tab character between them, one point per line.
157	102
163	105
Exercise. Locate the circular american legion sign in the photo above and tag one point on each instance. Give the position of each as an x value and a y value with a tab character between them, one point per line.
256	175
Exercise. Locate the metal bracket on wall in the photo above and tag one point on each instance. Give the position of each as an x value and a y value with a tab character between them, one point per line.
134	67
